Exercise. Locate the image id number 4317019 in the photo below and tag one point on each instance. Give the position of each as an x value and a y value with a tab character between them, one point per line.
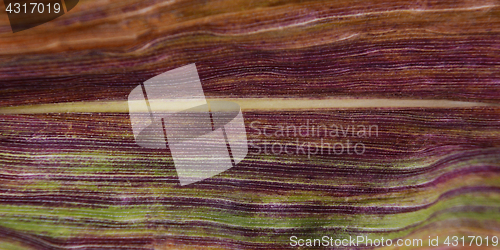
26	14
33	8
471	241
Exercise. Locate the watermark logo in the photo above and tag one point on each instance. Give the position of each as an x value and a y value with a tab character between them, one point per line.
204	137
310	139
26	14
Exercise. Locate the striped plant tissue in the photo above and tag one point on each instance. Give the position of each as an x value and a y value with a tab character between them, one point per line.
409	89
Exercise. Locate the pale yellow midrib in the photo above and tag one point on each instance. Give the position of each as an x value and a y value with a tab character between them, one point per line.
248	104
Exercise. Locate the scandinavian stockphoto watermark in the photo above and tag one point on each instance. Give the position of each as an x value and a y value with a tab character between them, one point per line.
170	111
361	241
310	138
205	138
